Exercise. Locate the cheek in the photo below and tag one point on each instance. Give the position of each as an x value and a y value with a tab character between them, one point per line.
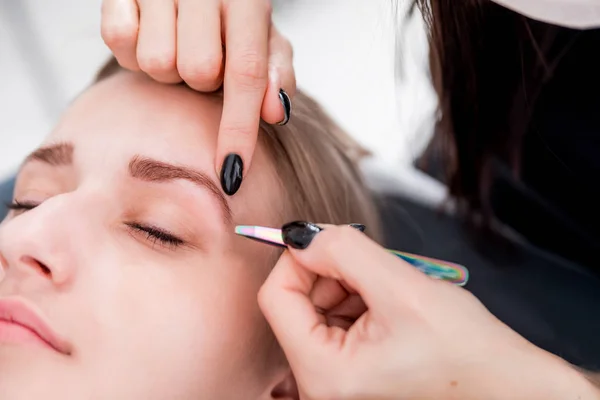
180	320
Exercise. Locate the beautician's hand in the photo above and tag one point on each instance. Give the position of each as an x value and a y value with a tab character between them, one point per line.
185	40
418	339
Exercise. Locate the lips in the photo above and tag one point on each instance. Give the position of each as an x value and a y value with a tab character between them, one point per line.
21	323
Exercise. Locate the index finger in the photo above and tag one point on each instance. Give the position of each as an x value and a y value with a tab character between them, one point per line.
345	254
245	82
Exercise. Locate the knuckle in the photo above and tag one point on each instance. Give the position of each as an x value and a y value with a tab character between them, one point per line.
264	296
249	69
157	62
116	35
207	70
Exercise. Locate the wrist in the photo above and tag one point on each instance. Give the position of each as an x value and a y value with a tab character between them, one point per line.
529	373
571	382
548	377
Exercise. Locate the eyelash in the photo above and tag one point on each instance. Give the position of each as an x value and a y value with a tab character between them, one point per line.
152	233
157	235
16	205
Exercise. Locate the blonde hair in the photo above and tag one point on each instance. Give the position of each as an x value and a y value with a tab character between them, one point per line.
317	163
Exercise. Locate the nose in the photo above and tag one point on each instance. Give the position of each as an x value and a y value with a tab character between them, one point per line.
36	266
34	245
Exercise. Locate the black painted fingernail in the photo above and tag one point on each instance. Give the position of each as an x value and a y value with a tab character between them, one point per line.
299	234
360	227
287	106
231	174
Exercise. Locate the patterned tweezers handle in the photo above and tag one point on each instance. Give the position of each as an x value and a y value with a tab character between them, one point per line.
436	269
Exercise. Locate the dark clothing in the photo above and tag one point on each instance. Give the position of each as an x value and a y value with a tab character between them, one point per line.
552	302
556	204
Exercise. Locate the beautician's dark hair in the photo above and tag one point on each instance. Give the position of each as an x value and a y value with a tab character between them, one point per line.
317	164
488	67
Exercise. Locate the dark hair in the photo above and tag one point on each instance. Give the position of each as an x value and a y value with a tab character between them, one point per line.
488	67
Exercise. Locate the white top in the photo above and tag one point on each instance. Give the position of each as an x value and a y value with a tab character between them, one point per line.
582	14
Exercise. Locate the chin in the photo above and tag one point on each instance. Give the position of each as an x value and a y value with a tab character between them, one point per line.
32	373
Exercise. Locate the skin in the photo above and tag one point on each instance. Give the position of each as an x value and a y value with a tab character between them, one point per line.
144	320
185	40
429	339
433	340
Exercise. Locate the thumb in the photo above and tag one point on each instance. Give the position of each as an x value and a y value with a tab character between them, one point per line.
345	254
341	253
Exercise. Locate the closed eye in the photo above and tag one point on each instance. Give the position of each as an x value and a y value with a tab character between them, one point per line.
156	235
153	234
21	207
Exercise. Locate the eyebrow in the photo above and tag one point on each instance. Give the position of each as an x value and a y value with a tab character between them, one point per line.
143	168
151	170
58	154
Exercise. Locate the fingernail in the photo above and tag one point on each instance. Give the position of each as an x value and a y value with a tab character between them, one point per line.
359	227
287	106
299	234
231	174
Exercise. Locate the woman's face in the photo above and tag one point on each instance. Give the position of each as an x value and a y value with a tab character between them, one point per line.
131	259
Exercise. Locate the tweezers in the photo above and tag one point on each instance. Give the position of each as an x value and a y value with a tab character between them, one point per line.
436	269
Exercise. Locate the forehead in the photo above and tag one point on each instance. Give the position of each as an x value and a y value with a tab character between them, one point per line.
129	114
142	116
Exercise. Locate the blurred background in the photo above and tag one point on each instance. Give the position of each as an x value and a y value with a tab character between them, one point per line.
347	55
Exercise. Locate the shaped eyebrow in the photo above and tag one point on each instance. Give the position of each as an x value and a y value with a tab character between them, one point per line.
143	168
151	170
